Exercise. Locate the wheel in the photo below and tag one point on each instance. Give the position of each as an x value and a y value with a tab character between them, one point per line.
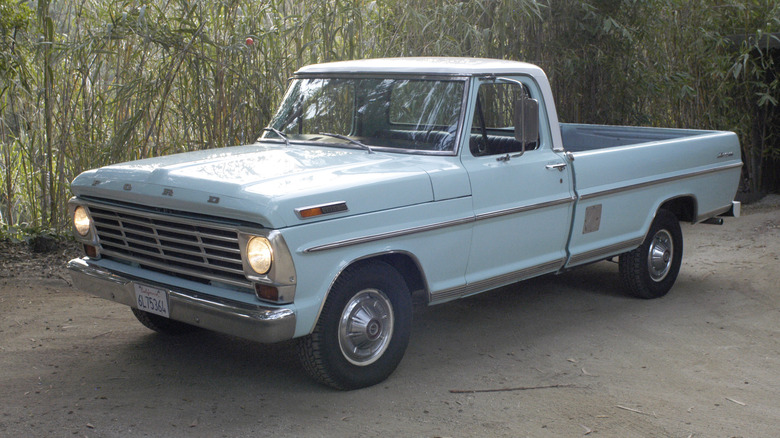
162	324
650	270
363	329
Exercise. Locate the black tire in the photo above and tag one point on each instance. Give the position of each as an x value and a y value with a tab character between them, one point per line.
372	303
162	324
650	270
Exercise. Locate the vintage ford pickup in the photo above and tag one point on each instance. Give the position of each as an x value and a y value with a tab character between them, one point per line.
383	178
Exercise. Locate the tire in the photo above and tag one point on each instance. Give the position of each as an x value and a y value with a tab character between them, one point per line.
162	324
650	270
363	329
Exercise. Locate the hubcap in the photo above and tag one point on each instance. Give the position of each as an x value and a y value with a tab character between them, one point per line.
366	327
660	255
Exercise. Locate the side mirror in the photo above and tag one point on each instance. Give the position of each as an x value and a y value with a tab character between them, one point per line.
526	120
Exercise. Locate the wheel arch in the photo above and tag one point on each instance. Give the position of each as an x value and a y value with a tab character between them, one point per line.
403	261
684	207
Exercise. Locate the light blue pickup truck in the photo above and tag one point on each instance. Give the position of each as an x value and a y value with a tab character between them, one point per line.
383	178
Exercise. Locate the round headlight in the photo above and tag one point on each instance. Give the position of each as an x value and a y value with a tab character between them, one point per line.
259	254
81	221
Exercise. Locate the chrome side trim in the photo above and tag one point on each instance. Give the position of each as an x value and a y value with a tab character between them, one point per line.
659	181
600	253
437	226
390	234
492	283
524	208
255	322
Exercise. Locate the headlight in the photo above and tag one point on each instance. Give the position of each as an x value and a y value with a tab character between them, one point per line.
81	221
259	254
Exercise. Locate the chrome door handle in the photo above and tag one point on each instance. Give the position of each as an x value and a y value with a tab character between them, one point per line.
558	166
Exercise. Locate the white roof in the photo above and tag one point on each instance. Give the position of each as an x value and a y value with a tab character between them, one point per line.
425	65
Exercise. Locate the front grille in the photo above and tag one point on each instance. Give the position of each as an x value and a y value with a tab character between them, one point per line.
187	248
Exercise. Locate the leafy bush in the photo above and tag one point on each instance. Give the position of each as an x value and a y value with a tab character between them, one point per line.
85	84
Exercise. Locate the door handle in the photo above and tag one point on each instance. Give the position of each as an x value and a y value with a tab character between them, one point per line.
558	166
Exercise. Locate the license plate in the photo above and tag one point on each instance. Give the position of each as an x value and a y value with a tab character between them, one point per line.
151	299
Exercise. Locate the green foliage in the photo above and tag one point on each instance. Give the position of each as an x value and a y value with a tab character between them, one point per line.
23	233
90	83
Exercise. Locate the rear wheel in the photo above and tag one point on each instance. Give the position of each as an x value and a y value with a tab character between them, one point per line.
363	329
162	324
650	270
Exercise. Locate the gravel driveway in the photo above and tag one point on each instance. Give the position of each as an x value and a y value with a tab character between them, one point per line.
567	355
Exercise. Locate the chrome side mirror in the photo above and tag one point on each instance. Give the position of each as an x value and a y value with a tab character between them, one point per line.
526	120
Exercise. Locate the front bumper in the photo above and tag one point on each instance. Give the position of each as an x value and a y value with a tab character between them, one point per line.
255	322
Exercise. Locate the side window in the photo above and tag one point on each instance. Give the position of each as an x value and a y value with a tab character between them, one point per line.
492	127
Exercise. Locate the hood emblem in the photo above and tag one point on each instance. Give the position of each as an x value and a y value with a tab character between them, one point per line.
167	192
213	199
128	187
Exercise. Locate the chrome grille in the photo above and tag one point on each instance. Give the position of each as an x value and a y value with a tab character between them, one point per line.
188	248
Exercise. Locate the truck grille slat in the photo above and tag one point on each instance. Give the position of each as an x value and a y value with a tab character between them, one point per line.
206	243
190	233
188	248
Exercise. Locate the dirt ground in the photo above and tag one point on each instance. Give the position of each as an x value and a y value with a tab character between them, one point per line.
703	361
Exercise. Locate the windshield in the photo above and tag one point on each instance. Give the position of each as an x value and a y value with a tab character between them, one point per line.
409	114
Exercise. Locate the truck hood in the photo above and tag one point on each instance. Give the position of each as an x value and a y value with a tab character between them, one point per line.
264	183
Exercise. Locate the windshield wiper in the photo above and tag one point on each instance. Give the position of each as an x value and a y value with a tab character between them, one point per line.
281	134
351	140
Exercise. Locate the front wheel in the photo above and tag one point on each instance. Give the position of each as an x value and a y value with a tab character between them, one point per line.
363	329
650	270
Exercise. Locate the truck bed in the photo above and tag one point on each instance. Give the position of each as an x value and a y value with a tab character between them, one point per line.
624	172
581	137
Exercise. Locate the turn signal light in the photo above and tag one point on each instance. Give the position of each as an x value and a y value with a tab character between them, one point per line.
264	292
91	251
311	212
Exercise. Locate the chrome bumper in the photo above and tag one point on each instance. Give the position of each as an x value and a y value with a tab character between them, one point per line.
258	323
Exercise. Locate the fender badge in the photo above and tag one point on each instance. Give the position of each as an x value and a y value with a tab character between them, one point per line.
128	187
167	192
213	199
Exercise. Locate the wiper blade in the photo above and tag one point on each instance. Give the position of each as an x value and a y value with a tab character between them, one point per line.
281	134
351	140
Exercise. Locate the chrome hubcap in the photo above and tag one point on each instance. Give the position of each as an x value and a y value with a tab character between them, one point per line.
660	255
366	327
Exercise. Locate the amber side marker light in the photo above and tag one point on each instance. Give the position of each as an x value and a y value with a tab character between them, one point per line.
266	292
91	251
311	212
336	207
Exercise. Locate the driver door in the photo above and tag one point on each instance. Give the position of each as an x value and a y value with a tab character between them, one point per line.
522	200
